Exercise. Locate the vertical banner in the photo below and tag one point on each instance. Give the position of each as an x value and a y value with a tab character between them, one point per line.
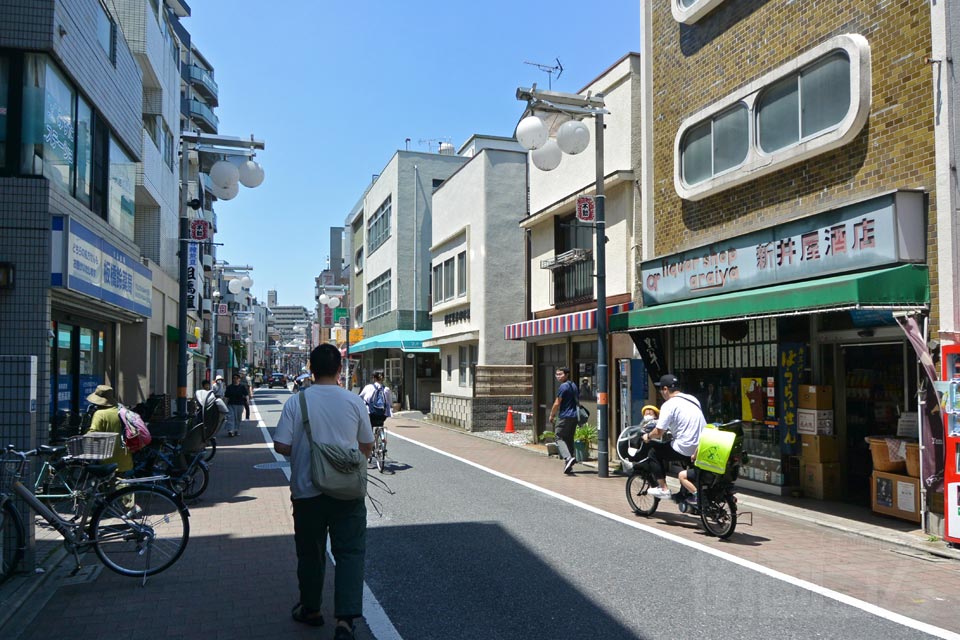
193	276
650	346
791	359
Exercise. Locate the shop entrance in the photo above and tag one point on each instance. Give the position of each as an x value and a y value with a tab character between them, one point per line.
875	387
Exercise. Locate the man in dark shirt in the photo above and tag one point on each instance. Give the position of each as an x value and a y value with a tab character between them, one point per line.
565	410
236	395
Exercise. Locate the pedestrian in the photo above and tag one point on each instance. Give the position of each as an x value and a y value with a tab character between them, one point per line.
245	381
337	417
682	416
564	411
107	420
236	395
218	388
379	400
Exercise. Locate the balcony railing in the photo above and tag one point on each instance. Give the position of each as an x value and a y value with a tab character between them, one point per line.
201	114
204	83
573	283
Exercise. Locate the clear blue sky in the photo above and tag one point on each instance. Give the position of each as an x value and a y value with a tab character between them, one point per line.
334	88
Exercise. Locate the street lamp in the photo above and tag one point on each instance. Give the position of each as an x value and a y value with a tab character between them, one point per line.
333	302
552	112
225	189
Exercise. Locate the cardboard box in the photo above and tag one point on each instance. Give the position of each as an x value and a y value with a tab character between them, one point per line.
815	422
815	397
822	481
820	449
895	495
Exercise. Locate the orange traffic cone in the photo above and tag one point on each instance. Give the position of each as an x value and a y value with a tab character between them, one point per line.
509	427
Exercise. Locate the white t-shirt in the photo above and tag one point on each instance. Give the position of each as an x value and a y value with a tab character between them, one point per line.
681	415
336	417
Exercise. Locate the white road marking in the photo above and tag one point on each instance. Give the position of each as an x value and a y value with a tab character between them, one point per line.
376	618
803	584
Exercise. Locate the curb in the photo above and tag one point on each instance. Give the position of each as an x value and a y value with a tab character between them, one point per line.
20	596
795	513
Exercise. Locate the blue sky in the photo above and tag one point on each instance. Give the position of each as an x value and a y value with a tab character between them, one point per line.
334	89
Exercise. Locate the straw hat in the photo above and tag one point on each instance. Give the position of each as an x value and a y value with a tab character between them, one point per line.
103	396
656	411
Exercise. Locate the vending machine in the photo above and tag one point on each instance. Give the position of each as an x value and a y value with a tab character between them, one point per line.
950	358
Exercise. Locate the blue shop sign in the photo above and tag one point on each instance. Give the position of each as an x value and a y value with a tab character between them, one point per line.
84	262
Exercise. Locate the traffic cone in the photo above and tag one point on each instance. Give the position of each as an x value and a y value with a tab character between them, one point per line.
509	427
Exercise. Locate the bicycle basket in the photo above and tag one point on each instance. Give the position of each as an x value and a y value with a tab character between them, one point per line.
9	471
92	446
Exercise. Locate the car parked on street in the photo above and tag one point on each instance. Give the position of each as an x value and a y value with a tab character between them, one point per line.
277	379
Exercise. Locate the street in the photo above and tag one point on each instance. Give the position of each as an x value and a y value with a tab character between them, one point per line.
488	541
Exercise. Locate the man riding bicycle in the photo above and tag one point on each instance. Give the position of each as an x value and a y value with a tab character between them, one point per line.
682	417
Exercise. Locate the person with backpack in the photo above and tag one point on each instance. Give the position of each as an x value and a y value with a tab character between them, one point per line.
107	420
379	400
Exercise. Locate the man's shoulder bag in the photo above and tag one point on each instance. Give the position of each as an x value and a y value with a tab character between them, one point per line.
336	471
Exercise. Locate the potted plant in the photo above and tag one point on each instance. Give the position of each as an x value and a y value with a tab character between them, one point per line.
584	437
548	439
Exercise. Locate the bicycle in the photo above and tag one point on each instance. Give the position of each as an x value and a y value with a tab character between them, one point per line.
379	454
136	530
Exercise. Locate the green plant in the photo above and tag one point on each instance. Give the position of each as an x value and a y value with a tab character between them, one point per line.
547	436
586	433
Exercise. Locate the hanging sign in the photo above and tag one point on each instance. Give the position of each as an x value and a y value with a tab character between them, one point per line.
586	209
199	230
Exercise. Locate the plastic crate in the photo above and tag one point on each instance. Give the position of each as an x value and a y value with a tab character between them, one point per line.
92	446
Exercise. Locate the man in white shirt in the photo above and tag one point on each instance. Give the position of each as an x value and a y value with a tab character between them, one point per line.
682	417
337	417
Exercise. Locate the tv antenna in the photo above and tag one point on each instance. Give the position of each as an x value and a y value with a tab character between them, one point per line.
549	70
430	142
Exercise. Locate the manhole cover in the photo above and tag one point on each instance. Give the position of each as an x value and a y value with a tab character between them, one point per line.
272	465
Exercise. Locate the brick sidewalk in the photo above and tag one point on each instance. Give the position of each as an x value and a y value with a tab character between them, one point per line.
918	586
237	578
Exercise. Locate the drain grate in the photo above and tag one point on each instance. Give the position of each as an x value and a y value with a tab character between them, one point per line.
272	465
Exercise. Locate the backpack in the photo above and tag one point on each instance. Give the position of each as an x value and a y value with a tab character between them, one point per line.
377	405
135	433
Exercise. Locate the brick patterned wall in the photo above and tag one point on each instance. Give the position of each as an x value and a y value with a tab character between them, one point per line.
694	66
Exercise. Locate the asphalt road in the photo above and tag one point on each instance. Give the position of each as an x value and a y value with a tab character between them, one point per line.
462	553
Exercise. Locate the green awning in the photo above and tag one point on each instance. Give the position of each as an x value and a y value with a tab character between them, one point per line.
404	339
903	287
173	334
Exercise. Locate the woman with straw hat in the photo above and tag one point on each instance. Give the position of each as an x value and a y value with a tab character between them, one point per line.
107	420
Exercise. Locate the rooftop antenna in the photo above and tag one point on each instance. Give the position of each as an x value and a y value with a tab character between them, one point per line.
433	141
549	70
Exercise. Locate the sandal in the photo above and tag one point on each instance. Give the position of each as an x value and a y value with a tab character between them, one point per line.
307	616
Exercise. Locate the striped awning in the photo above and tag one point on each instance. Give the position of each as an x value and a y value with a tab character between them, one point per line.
567	323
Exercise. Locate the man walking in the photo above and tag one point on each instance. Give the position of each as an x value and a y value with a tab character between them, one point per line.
565	408
682	417
236	395
337	417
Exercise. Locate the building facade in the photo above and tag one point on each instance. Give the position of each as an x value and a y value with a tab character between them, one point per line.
790	213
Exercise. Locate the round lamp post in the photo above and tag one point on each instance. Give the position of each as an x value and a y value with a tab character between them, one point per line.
563	112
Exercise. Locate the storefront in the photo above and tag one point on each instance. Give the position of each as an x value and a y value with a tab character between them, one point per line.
411	370
748	324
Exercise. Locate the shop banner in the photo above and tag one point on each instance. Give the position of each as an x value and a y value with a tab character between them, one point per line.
885	230
90	265
650	346
932	445
194	269
791	359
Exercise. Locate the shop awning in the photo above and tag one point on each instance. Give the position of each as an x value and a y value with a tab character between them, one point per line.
903	287
403	339
567	323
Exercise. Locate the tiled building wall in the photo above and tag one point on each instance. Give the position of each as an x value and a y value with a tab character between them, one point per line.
479	414
696	65
18	418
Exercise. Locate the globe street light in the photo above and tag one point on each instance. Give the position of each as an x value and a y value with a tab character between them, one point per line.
562	113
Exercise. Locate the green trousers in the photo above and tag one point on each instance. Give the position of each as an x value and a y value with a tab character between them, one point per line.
346	521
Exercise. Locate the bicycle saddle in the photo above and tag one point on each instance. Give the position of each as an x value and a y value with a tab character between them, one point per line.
47	450
102	470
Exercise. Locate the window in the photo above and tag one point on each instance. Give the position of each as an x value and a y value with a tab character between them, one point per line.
393	374
436	183
449	367
378	295
805	104
121	209
106	33
448	278
461	274
690	11
358	316
462	359
437	284
168	150
378	227
716	146
358	261
48	123
4	100
814	103
84	151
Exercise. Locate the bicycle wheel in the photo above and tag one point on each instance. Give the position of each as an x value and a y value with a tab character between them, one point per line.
719	517
59	491
640	501
380	450
140	530
210	450
11	540
193	482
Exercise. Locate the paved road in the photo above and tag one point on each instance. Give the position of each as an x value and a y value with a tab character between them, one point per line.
463	553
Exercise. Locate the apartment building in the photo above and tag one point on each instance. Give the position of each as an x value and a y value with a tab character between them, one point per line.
391	236
795	202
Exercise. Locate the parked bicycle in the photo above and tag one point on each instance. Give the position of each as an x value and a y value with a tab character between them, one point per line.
138	529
